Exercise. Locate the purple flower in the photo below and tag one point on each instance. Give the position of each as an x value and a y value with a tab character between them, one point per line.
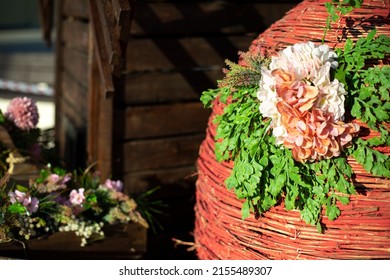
76	197
114	185
31	203
23	112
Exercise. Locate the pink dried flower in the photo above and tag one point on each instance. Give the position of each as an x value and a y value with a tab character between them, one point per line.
76	197
55	179
114	185
313	135
23	112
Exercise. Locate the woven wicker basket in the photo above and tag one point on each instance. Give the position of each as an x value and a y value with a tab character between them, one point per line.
363	229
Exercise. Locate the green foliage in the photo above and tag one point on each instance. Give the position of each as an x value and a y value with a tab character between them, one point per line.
367	86
336	8
372	160
264	174
17	208
151	208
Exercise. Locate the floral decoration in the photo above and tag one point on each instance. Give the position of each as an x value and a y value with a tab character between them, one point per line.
305	106
292	119
54	200
60	201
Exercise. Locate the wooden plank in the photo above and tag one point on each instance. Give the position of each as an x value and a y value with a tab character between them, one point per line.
161	153
124	12
31	58
27	75
158	87
28	67
101	51
75	64
183	53
165	120
141	181
73	100
75	35
93	102
76	8
74	115
107	30
229	17
75	93
166	70
125	241
59	128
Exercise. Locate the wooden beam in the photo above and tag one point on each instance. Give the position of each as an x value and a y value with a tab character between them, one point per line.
102	53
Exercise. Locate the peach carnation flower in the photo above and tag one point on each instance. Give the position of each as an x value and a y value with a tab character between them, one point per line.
306	108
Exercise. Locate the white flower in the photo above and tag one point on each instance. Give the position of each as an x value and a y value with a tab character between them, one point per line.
267	95
332	99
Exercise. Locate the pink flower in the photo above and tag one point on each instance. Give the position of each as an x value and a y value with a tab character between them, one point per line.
313	135
31	203
23	112
60	181
114	185
76	197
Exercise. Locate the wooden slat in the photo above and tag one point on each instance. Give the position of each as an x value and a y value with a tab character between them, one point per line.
73	114
75	94
166	70
76	64
30	58
76	8
141	181
126	241
195	18
124	11
165	120
108	31
101	50
28	74
160	87
75	35
183	53
59	62
161	153
27	67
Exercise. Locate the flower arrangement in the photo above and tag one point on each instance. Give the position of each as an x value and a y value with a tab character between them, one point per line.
60	201
292	120
56	200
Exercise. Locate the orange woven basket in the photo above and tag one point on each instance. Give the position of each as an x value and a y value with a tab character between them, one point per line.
363	229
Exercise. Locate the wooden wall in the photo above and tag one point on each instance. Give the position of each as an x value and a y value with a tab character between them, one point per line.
72	80
148	131
176	50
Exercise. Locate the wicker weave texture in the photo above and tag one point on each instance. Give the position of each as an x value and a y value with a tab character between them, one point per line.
363	229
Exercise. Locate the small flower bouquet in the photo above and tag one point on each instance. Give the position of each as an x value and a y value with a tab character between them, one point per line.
292	120
58	201
54	200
